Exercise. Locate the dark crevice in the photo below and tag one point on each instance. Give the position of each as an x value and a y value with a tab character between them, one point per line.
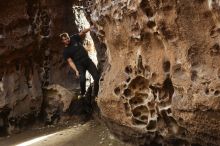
127	92
166	66
152	125
217	92
117	90
145	6
4	122
168	87
193	75
128	69
151	24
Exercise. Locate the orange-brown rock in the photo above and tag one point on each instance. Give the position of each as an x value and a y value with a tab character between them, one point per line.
163	83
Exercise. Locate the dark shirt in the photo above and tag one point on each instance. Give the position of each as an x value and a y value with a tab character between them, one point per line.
75	50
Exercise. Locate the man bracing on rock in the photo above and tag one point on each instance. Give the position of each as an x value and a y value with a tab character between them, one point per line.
77	57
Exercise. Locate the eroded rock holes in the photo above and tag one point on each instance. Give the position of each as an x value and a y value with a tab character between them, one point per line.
147	105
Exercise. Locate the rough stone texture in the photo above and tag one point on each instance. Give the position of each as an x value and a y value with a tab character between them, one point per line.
163	82
57	101
31	57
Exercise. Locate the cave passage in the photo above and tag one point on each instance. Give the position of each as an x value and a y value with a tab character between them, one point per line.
82	23
50	124
158	63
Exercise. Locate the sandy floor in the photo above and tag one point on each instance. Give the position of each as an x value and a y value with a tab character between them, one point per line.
89	134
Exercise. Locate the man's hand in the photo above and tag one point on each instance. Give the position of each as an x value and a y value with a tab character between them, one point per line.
83	32
73	66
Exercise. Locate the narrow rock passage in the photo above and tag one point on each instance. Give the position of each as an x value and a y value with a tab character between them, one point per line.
88	134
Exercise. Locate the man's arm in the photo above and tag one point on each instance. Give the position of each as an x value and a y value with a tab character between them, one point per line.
73	66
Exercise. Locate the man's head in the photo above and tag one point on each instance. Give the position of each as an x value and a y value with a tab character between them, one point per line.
65	38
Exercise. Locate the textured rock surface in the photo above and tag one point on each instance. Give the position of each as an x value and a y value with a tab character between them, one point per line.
163	82
57	101
31	57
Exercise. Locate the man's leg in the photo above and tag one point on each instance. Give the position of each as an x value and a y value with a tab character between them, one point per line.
95	75
82	78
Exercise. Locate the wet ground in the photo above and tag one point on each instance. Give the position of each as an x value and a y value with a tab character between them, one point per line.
88	134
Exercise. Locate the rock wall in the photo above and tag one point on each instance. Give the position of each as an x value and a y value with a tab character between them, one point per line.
31	57
163	82
57	100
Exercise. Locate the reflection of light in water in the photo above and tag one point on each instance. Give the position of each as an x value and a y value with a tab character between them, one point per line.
27	143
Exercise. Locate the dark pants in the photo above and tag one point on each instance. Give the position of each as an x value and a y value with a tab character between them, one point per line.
84	65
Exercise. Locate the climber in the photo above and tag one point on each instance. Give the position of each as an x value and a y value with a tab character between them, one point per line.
77	57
